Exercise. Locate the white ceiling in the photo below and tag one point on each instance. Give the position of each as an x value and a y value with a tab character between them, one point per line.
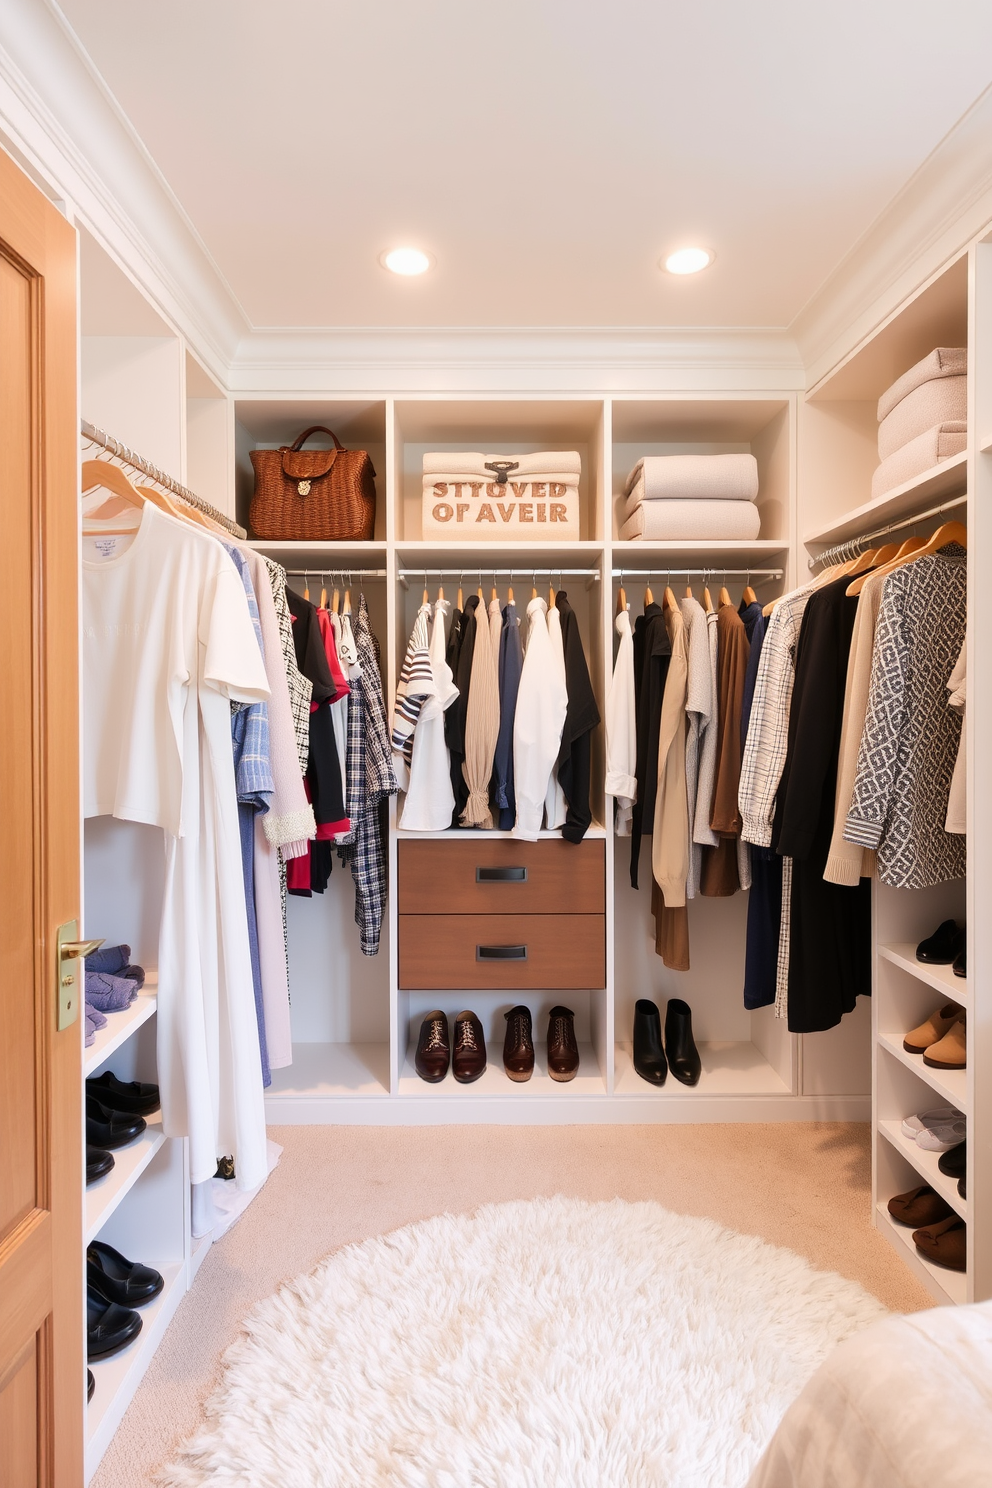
547	152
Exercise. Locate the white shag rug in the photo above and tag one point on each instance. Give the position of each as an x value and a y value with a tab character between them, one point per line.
550	1343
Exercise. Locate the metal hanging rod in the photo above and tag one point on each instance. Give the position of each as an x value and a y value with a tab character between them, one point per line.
521	571
340	573
839	552
714	571
138	463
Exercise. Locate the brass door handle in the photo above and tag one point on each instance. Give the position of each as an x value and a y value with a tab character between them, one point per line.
70	949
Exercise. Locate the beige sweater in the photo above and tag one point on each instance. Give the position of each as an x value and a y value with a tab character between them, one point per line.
670	839
847	862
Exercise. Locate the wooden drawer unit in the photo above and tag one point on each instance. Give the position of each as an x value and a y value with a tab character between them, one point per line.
499	876
441	953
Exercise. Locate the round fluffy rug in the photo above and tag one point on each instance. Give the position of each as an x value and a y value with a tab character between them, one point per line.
551	1343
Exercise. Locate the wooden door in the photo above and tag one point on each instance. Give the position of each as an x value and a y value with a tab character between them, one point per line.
42	1368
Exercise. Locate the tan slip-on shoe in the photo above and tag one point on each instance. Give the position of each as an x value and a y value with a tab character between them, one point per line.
929	1032
950	1052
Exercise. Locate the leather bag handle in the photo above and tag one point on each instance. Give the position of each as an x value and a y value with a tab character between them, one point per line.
301	439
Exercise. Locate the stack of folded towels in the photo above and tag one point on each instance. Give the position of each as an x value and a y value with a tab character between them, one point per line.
922	418
692	497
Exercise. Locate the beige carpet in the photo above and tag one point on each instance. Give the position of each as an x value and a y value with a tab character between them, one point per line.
805	1186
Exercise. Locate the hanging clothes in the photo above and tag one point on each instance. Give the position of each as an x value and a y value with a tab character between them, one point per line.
910	742
429	798
375	783
555	806
461	650
848	862
621	728
670	828
754	626
652	654
830	925
720	875
700	709
703	834
957	800
542	702
415	686
481	723
511	660
581	717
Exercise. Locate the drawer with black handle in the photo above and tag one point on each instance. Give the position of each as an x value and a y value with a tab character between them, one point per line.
502	876
560	952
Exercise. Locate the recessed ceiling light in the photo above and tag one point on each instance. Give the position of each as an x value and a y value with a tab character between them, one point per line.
406	261
689	260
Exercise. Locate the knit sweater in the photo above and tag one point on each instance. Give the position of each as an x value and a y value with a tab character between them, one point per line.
849	861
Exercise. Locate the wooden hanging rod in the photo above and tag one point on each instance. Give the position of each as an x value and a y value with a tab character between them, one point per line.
138	463
840	552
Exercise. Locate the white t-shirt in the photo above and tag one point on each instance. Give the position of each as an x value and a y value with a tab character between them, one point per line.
160	609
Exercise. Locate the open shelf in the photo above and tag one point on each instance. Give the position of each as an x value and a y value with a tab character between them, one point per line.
120	1026
949	478
482	557
117	1377
941	978
943	1285
103	1196
925	1164
951	1084
642	556
588	1081
332	1069
729	1068
370	554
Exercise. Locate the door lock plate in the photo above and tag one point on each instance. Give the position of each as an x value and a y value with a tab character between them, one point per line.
68	977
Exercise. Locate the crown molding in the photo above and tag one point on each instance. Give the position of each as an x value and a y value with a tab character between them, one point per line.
485	359
941	209
60	122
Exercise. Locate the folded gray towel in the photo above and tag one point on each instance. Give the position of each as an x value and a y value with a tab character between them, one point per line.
696	477
919	455
943	361
110	994
942	400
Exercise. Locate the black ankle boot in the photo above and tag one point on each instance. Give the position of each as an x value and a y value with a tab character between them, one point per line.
649	1057
683	1056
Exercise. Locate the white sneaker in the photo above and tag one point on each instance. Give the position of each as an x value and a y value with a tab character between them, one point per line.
942	1138
942	1116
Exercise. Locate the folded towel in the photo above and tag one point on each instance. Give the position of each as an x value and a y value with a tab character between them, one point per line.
94	1020
694	477
109	994
942	400
943	361
654	521
470	465
918	455
109	958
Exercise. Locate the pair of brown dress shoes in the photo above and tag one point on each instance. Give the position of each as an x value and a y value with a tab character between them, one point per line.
518	1045
435	1050
939	1234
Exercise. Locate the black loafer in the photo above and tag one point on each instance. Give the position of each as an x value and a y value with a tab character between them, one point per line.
110	1128
959	965
119	1280
954	1164
680	1046
90	1385
649	1057
109	1328
134	1097
98	1163
940	948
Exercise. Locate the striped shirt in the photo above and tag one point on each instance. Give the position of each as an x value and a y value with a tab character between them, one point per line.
415	686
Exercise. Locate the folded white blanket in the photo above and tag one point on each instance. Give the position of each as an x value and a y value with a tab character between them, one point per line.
918	455
694	477
942	400
943	361
471	465
655	521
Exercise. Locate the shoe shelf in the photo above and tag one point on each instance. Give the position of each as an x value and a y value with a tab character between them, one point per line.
943	1285
951	1084
729	1069
120	1026
942	481
925	1164
103	1196
494	1081
941	978
117	1377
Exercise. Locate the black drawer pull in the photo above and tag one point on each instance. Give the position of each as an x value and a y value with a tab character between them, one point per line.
501	875
501	953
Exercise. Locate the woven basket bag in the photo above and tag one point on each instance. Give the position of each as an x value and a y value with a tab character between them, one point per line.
317	495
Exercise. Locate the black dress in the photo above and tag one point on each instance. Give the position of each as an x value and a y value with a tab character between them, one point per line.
652	656
581	717
830	936
461	646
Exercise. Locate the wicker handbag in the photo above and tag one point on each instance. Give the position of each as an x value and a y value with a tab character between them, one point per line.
316	495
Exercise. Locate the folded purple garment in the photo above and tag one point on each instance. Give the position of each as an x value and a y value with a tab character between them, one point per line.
110	994
94	1020
135	974
112	959
90	1031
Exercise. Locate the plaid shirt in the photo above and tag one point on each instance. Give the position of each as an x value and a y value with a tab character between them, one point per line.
370	782
300	687
250	722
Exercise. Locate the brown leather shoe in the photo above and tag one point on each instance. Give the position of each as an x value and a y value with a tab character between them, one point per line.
563	1051
945	1244
433	1050
468	1057
518	1045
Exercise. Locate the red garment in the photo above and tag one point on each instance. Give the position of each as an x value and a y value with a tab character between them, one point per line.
341	688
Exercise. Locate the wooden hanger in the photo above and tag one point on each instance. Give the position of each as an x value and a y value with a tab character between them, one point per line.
509	594
725	596
124	496
688	591
909	546
336	600
947	532
668	599
749	597
886	554
551	596
864	561
426	599
323	595
440	594
621	599
648	596
480	593
347	601
707	600
493	594
306	586
460	602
